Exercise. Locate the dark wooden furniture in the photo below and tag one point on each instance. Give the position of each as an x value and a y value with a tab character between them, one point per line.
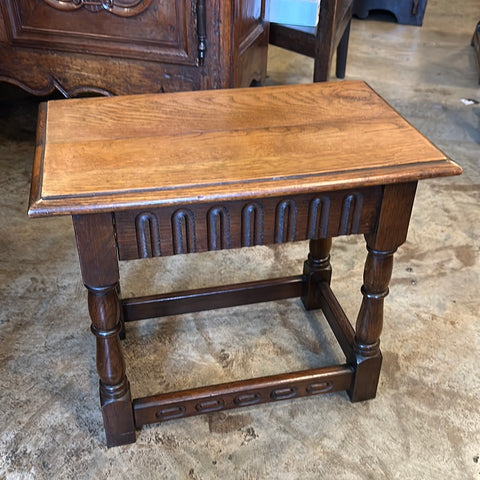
146	176
320	43
476	46
408	12
131	46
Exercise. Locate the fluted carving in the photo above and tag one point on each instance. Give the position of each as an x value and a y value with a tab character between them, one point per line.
148	235
183	231
218	228
122	8
318	217
252	224
286	221
351	213
215	226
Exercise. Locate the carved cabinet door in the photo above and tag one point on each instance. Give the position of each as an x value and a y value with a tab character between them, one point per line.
88	33
131	46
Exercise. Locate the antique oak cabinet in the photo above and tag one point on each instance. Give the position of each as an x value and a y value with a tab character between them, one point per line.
131	46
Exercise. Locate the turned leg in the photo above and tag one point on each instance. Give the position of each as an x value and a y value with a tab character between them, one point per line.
377	273
98	260
390	233
122	334
115	398
317	268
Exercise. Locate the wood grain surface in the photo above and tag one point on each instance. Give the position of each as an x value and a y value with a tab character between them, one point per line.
104	154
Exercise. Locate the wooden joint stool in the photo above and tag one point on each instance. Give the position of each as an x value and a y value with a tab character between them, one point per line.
155	175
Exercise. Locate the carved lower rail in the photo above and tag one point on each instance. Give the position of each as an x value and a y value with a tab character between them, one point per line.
213	398
186	403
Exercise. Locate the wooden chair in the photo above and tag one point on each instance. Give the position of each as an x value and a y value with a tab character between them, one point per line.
332	32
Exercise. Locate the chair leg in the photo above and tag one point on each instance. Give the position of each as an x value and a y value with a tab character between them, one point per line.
321	66
342	51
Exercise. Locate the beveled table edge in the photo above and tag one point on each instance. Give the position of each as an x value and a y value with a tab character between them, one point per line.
45	207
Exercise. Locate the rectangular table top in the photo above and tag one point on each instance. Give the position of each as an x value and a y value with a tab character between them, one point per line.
106	154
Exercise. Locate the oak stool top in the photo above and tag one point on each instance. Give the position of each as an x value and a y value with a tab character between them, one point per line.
123	152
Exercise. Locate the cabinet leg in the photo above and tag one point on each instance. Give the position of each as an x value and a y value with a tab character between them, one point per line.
317	268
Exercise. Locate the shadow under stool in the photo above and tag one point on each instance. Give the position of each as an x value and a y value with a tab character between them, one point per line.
167	174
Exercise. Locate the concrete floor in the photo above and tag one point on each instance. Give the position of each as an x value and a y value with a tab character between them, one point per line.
424	423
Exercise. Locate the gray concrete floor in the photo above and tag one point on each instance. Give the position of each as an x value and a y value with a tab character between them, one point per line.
424	423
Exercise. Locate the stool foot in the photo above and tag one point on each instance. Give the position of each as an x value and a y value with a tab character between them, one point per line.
365	381
118	419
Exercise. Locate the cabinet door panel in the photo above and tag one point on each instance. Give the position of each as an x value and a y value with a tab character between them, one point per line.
159	30
249	22
251	41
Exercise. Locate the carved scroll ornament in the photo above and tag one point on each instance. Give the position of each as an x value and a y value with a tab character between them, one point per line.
123	8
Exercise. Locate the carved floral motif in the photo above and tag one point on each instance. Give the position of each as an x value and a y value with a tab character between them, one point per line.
123	8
